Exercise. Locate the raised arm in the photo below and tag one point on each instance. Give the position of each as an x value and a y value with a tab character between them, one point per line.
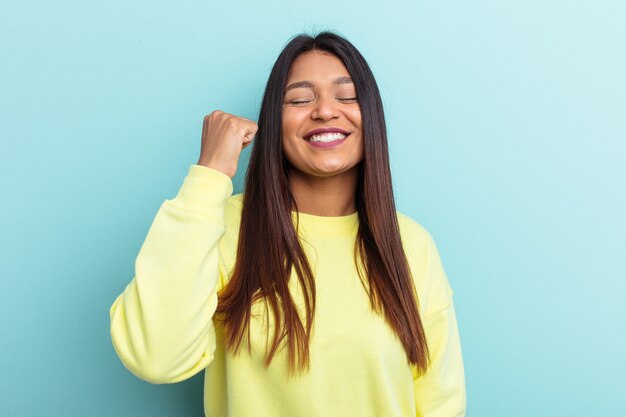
162	323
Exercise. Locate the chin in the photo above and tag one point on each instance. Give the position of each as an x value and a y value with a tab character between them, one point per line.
330	171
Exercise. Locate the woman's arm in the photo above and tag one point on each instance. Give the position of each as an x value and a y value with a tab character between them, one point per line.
440	392
161	325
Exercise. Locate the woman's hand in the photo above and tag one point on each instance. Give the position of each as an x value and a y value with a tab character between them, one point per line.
224	135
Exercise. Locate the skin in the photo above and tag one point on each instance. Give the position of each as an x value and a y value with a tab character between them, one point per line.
323	181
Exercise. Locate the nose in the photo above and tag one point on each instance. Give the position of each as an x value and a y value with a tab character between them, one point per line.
325	108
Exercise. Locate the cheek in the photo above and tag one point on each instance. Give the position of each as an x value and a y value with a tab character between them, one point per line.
289	123
290	150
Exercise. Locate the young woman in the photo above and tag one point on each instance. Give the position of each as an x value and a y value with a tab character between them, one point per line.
308	294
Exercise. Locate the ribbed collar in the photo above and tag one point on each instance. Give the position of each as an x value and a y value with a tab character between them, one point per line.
327	225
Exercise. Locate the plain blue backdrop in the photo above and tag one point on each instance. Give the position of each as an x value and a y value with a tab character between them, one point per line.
507	130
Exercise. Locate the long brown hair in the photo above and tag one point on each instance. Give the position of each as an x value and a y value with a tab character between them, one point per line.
269	248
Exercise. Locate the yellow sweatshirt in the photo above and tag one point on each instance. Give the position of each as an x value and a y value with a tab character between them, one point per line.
163	332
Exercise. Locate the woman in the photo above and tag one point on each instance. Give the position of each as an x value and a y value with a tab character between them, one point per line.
308	294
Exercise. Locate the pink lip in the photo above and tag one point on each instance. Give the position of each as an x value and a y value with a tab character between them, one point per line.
325	130
327	144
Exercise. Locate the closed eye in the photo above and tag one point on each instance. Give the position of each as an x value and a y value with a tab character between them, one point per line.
306	101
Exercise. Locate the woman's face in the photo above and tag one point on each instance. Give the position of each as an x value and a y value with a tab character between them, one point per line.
320	94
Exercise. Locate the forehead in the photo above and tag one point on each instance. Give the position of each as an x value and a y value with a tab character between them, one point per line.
317	65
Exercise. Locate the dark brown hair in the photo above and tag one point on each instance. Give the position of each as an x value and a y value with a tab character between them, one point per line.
269	247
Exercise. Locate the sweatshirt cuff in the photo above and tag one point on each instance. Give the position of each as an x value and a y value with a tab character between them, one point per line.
205	192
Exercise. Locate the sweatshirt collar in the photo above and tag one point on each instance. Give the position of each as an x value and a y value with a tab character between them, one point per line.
326	225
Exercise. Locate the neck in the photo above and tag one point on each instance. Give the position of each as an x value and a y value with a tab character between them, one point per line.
325	196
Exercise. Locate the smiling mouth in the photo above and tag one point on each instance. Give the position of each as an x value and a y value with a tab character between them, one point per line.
327	137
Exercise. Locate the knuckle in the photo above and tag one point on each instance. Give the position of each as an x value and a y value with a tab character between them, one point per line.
232	122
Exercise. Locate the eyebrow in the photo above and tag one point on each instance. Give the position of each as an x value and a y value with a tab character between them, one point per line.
309	84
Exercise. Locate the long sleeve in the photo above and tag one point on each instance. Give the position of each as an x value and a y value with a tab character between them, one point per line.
440	392
161	325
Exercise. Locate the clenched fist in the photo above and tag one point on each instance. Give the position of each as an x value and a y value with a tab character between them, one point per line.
224	135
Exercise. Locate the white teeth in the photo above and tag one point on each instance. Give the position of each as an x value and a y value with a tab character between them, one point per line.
326	137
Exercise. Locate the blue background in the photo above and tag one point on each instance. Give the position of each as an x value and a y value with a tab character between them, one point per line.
507	128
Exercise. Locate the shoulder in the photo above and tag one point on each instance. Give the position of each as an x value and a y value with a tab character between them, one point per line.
232	220
236	199
429	276
230	239
415	237
234	205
